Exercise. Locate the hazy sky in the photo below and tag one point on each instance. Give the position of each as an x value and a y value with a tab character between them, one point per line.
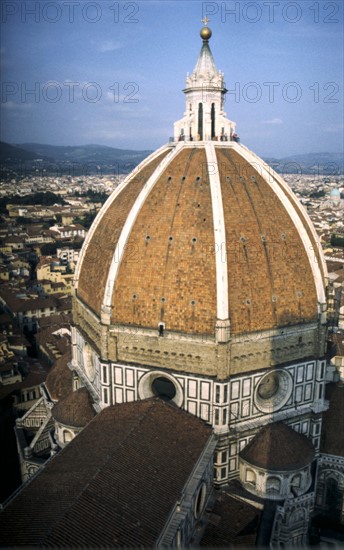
106	72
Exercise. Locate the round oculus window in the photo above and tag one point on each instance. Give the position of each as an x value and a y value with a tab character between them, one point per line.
268	387
160	384
200	500
89	362
164	388
273	391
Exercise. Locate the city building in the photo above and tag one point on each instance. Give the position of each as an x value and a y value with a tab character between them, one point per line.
201	283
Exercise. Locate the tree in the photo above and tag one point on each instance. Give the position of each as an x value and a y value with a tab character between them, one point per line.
49	249
337	240
87	219
44	198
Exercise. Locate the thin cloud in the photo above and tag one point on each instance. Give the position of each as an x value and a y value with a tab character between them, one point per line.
109	46
333	128
12	106
273	121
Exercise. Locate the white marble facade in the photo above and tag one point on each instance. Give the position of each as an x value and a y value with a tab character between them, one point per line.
237	408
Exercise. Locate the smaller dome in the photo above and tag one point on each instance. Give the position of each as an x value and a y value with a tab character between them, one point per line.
205	33
335	192
75	410
277	447
59	381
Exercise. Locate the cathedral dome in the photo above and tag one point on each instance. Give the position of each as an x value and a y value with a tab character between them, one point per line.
200	232
202	239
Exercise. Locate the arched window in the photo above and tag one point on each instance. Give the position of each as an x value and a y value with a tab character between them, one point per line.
296	481
67	436
200	500
273	485
297	516
333	498
200	121
250	477
212	120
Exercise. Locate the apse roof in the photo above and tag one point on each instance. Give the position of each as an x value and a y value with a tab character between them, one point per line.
277	447
59	381
75	409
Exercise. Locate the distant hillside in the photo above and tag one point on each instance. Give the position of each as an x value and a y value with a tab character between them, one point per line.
59	160
310	163
96	159
10	153
100	154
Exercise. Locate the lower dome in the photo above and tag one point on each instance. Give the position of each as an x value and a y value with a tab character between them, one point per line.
75	410
277	447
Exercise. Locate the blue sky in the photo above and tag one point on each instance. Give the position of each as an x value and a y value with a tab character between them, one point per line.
107	72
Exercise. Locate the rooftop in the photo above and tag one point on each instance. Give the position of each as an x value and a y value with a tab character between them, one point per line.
332	434
277	447
114	485
59	381
232	522
75	409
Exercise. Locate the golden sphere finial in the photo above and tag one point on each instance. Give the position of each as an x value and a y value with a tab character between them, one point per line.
205	33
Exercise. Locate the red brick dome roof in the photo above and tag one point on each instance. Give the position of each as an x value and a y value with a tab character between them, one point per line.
200	232
278	447
59	381
75	410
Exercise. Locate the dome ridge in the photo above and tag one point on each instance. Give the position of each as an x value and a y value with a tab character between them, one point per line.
122	241
295	202
111	198
219	234
298	214
90	252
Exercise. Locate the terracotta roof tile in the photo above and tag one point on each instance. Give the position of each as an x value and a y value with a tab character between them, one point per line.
332	435
99	252
278	447
172	241
59	381
179	285
74	410
232	522
266	256
114	485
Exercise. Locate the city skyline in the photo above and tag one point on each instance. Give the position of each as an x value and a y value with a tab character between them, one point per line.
112	73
